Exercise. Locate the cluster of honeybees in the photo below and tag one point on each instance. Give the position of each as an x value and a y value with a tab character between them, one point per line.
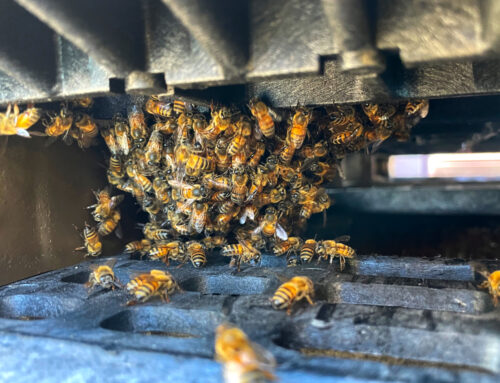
70	125
252	179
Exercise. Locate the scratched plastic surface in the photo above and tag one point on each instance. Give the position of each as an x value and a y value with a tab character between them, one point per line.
382	319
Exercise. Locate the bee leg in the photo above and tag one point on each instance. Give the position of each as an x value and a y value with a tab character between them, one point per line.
165	298
483	285
80	248
118	284
495	300
342	263
309	299
289	310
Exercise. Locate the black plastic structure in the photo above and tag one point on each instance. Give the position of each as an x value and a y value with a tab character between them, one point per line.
382	319
314	52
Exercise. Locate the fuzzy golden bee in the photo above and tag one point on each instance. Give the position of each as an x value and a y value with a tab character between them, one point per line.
103	276
492	283
156	283
329	249
243	360
292	291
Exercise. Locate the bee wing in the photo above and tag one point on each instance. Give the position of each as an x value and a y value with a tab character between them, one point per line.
123	143
343	238
275	116
111	262
265	358
37	133
22	132
258	229
119	231
281	233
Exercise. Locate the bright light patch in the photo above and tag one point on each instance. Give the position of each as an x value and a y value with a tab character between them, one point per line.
460	166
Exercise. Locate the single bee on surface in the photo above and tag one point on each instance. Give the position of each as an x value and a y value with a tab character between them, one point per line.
329	249
292	291
103	275
291	245
243	360
142	247
492	283
196	252
308	250
93	244
148	285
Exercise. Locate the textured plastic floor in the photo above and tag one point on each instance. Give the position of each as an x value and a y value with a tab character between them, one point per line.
383	319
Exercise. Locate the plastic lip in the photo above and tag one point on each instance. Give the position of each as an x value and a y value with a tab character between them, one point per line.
459	166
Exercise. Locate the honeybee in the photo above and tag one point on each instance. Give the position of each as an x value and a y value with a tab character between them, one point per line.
221	120
264	118
84	102
243	251
157	234
93	244
286	154
240	188
492	283
216	182
292	244
244	361
142	181
292	291
239	140
166	251
196	253
12	122
319	150
199	217
156	283
196	165
332	248
239	160
179	107
277	194
142	247
161	189
253	161
109	224
59	124
417	108
138	127
109	138
308	250
103	275
249	212
88	130
347	135
158	108
154	148
342	116
269	225
212	242
189	192
379	115
297	131
223	159
321	202
105	204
